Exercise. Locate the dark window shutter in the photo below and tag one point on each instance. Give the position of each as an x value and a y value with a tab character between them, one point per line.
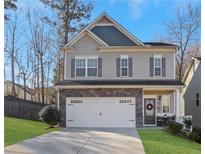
151	66
163	66
99	67
130	66
72	67
118	67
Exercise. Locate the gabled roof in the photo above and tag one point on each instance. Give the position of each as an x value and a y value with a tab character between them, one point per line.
190	67
159	44
198	58
117	25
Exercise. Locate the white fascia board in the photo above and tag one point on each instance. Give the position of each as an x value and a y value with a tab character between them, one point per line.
157	56
97	38
87	27
81	34
124	56
145	87
86	57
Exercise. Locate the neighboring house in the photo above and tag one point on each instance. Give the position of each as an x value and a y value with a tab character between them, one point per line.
31	95
19	91
113	79
192	91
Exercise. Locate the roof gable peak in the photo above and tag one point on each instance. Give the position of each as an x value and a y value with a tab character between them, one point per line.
116	24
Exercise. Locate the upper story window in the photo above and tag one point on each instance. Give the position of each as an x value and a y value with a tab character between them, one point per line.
124	65
92	65
86	66
80	67
157	65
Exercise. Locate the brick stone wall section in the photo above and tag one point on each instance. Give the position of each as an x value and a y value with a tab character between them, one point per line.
120	92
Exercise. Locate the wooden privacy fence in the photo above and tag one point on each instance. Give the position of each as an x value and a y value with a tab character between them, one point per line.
20	108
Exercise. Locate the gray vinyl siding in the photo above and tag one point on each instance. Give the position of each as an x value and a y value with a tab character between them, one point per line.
140	61
190	98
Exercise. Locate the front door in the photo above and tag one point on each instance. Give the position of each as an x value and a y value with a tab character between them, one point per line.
149	111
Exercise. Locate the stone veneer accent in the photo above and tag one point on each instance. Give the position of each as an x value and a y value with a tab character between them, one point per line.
120	92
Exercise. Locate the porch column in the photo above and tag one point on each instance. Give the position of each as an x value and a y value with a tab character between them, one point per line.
58	98
177	105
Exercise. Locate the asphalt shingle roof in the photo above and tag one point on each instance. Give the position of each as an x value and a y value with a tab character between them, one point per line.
159	44
121	82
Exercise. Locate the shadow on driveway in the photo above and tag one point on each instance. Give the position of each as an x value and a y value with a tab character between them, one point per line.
82	141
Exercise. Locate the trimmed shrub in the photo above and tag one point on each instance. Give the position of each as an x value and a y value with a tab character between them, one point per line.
50	115
174	127
187	123
195	135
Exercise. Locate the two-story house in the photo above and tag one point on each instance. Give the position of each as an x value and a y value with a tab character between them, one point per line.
192	91
113	79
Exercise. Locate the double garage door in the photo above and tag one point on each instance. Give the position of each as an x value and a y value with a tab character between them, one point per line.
100	112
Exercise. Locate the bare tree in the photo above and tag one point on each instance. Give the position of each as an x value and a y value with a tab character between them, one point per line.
71	17
183	31
39	42
9	5
24	70
11	45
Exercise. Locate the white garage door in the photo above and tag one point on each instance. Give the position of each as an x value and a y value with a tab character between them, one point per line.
100	112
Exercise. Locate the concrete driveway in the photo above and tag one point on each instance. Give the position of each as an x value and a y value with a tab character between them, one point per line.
82	141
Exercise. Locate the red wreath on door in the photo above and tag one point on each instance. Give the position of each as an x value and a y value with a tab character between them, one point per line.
149	106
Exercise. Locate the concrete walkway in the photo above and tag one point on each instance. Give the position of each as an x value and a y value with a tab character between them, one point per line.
82	141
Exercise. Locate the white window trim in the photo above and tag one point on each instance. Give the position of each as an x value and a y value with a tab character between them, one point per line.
158	56
86	65
169	104
124	57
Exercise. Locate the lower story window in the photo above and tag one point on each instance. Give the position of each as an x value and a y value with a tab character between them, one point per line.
165	103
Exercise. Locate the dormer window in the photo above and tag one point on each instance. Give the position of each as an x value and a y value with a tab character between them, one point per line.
157	65
124	65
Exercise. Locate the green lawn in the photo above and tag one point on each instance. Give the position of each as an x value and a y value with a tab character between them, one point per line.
161	142
16	130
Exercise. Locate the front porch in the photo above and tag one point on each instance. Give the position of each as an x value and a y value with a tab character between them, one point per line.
161	105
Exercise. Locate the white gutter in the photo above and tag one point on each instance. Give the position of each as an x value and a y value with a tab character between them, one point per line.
163	87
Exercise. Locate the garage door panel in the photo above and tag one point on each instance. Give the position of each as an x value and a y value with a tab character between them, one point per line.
100	112
112	113
82	111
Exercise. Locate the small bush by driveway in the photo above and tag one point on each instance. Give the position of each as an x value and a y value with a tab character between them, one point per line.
161	142
16	130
